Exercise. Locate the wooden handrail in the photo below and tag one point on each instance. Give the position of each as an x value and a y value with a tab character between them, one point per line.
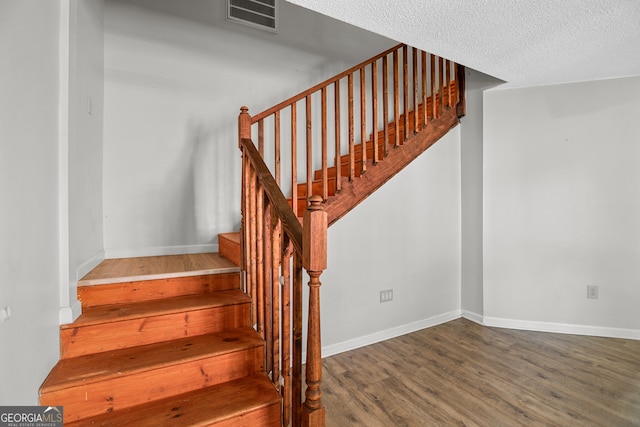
290	222
284	104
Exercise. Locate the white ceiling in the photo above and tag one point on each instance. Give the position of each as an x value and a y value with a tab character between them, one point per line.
523	42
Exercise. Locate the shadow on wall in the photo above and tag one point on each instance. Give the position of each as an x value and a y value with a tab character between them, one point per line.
173	90
216	173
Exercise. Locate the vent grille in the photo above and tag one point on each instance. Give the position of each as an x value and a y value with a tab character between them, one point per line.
255	13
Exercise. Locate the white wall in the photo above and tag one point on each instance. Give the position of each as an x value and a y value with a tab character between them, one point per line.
85	111
29	253
562	207
471	207
175	78
405	237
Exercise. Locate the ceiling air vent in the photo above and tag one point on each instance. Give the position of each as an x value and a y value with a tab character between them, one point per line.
256	13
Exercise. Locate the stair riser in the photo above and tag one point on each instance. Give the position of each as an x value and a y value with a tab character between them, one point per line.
145	290
229	247
123	392
128	333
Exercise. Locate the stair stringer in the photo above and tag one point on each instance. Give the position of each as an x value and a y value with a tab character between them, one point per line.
355	191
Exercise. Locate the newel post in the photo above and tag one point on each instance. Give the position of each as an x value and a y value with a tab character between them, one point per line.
314	260
461	108
244	124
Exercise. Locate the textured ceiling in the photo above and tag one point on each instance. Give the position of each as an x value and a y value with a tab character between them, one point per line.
523	42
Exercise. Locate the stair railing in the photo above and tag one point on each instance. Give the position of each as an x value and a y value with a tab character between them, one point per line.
399	89
275	249
389	98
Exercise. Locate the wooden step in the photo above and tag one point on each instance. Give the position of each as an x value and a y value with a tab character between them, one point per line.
157	267
103	382
229	246
145	290
112	327
247	402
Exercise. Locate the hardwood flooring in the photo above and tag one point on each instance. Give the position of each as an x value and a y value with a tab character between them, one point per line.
463	374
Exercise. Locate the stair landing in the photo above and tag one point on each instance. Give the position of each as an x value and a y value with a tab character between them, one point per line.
157	267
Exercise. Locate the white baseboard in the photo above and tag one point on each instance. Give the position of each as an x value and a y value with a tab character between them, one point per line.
563	328
474	317
161	250
84	268
70	314
397	331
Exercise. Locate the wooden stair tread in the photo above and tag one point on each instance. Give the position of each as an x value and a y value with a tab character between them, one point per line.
157	267
96	367
233	236
203	407
136	310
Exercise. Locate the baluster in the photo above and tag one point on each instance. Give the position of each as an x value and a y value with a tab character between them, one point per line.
396	101
455	79
325	174
424	88
385	103
286	329
276	252
253	248
352	159
276	145
261	137
294	159
363	122
434	108
267	269
315	262
309	147
415	88
448	74
374	110
260	260
297	340
338	157
405	90
440	84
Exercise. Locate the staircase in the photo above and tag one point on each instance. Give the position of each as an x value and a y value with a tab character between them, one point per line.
164	349
308	161
222	345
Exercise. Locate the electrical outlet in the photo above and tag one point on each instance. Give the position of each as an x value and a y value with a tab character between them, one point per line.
592	292
386	295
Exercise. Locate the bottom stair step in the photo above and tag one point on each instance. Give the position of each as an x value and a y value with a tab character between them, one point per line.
247	402
104	382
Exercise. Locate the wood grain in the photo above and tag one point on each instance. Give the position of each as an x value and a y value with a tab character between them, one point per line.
171	370
461	373
145	290
205	407
160	267
107	328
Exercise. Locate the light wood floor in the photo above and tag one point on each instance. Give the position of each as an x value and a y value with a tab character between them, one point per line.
157	267
464	374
